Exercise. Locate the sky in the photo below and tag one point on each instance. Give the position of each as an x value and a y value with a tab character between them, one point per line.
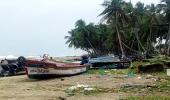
35	27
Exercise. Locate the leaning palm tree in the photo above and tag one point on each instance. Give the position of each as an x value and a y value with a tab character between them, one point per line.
114	14
152	20
138	22
85	34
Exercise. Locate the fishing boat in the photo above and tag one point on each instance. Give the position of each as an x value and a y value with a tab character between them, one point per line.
46	68
108	62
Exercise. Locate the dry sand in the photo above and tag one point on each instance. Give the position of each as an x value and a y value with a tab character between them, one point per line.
22	88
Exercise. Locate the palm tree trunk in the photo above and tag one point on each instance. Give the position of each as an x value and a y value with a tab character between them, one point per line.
119	38
92	46
168	41
120	43
159	44
139	42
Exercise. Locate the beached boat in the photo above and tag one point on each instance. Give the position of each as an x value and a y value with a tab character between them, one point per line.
47	68
108	62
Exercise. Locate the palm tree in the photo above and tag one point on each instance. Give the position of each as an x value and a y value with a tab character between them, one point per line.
135	29
137	24
114	14
71	40
85	33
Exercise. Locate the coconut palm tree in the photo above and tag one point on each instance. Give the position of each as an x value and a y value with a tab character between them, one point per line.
115	15
135	28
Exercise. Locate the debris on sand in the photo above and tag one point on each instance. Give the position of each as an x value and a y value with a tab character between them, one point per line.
80	88
61	98
132	86
168	72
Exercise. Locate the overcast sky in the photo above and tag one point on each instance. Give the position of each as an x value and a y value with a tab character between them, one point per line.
35	27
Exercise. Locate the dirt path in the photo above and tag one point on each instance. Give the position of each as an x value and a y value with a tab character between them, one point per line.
22	88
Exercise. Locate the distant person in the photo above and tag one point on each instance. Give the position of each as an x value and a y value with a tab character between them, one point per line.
84	59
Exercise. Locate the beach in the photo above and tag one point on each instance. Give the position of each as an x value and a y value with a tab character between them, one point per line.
22	88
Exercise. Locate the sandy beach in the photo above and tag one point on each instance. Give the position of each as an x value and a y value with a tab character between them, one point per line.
22	88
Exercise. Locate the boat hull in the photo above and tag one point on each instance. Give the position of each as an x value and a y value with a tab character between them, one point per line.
36	73
48	68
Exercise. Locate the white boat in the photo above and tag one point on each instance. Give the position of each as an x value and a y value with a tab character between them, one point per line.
47	68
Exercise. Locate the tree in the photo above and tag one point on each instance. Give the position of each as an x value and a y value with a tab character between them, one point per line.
115	16
137	29
91	38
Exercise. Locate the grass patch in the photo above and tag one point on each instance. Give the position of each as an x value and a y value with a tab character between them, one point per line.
108	72
157	64
148	98
93	71
161	75
164	86
121	72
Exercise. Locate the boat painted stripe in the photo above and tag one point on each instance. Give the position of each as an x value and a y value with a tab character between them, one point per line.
36	71
62	68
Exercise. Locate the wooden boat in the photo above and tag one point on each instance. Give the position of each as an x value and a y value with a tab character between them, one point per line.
108	62
47	69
